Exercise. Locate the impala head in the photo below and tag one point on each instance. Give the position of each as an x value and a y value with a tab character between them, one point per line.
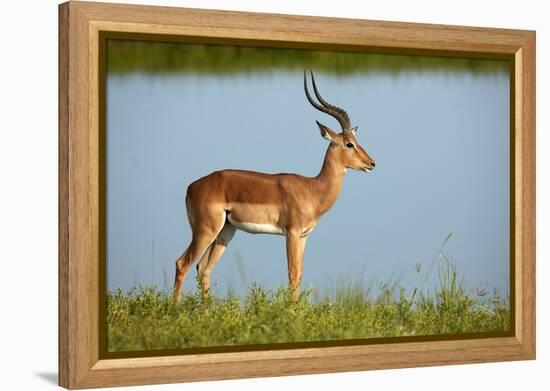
346	147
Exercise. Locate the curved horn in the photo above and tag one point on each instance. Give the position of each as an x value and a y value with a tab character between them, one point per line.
339	114
342	116
310	99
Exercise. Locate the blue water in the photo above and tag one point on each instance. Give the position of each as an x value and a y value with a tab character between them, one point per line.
441	145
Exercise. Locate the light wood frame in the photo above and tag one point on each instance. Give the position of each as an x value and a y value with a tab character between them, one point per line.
80	24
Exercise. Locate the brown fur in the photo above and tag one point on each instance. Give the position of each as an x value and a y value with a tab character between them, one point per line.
289	202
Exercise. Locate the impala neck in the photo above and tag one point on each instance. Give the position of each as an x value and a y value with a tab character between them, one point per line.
328	182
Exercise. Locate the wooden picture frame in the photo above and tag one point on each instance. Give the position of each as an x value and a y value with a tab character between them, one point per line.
81	25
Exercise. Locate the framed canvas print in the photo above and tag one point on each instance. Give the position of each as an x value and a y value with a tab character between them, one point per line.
248	195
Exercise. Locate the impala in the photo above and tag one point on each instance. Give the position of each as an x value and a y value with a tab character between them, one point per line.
284	204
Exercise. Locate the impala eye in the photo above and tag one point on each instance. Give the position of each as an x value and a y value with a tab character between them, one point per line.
349	145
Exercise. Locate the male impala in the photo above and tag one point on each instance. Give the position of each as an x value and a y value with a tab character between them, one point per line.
283	204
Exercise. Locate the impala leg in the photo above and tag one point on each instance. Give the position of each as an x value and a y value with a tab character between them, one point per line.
198	245
295	246
213	254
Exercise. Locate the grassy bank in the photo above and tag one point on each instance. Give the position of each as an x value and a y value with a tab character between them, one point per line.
125	56
146	318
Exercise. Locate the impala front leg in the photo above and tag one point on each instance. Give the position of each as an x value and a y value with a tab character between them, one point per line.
295	246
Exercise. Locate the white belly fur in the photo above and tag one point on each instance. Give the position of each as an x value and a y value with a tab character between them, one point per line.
255	228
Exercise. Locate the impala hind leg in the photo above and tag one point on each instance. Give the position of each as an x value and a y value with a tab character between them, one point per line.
213	254
189	256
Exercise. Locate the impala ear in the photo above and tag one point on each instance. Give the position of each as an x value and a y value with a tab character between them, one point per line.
354	130
326	132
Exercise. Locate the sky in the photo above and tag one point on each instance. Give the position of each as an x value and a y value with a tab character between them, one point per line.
440	142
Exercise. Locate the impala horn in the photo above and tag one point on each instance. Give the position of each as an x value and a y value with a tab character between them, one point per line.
340	114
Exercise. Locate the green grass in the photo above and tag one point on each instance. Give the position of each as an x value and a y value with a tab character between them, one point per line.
125	56
146	318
